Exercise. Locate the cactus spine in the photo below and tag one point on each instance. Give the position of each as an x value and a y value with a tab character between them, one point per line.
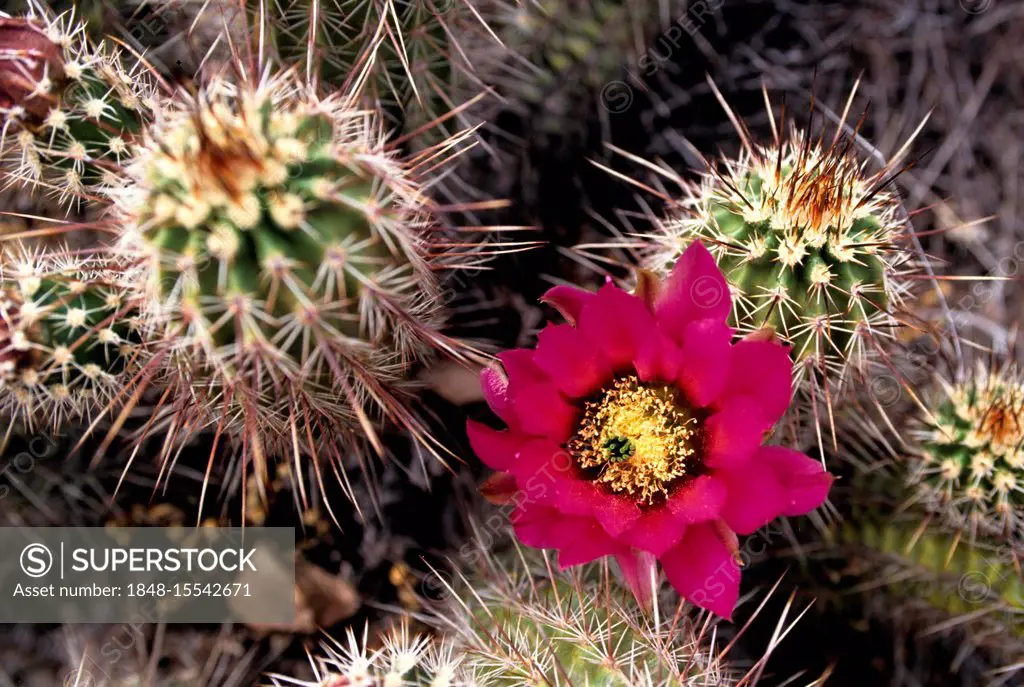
519	622
70	109
291	261
67	339
809	241
970	453
406	51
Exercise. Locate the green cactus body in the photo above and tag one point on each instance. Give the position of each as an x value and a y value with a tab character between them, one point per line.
519	623
67	339
970	452
808	244
306	226
954	577
576	49
412	43
291	264
76	125
526	625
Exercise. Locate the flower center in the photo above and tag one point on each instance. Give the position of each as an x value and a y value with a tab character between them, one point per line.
638	437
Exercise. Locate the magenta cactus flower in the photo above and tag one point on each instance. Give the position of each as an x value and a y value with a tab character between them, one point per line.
636	431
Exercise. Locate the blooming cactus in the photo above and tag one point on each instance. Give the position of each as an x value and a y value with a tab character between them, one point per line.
636	431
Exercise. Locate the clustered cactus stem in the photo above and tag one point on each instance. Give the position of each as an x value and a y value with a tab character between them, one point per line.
403	55
402	659
515	620
68	343
519	621
292	263
970	452
70	109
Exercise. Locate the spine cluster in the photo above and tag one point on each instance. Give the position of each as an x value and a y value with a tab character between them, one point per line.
810	242
68	339
70	109
969	455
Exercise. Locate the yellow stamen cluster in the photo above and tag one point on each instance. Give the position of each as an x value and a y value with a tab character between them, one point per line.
640	437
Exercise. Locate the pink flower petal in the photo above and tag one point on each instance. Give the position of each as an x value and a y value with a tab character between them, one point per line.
533	524
803	479
495	386
584	541
567	300
755	496
702	570
762	370
697	501
658	359
617	323
656	531
705	357
520	368
640	571
695	290
531	458
733	435
543	411
497	449
616	513
575	366
577	496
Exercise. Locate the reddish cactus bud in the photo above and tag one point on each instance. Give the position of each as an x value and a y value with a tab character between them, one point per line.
27	56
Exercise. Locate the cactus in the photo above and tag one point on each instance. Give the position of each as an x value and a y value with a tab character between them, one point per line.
406	51
900	560
908	567
291	263
70	109
404	659
809	241
575	48
527	625
518	622
67	339
954	577
970	455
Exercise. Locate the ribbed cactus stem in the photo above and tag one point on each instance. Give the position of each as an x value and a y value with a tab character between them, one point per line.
403	659
67	338
404	49
970	451
292	264
810	239
520	622
70	109
954	576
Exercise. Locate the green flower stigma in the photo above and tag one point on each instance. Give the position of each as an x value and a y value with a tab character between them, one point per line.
618	449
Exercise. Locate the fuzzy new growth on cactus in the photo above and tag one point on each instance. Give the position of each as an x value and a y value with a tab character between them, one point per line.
66	338
292	262
70	109
809	240
519	622
970	451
